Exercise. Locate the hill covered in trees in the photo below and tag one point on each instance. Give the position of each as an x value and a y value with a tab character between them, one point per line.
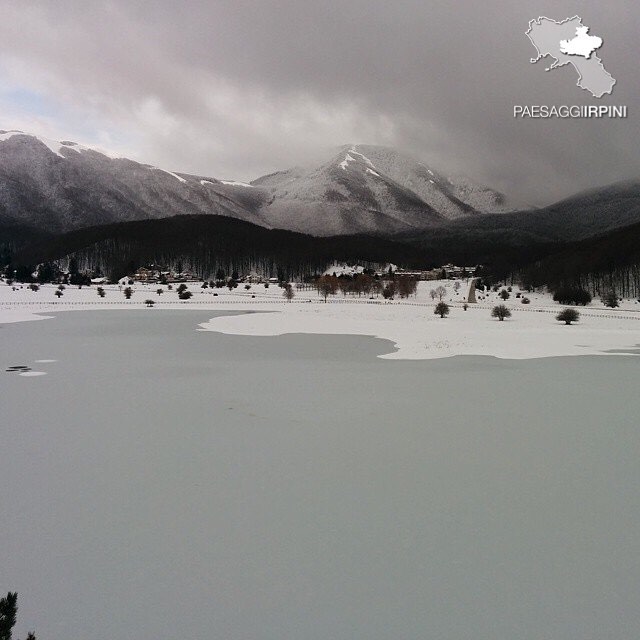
205	243
604	262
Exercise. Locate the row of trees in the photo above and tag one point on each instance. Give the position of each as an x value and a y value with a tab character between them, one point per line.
578	296
368	285
46	272
597	267
501	312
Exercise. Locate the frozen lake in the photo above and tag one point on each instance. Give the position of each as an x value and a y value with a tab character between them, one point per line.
161	482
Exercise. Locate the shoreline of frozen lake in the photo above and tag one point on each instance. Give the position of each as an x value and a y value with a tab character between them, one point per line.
410	326
413	332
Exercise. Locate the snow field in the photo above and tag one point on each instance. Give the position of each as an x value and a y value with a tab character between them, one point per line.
410	324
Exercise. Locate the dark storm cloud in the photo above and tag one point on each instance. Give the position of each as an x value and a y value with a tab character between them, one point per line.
235	88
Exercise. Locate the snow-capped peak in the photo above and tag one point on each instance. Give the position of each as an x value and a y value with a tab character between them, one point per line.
364	158
346	161
55	146
349	158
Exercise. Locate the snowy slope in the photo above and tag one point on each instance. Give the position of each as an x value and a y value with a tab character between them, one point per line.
411	326
452	196
61	185
372	189
344	195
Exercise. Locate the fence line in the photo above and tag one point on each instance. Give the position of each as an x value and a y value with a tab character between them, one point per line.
225	300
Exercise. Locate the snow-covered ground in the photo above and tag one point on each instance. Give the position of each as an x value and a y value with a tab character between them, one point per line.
410	324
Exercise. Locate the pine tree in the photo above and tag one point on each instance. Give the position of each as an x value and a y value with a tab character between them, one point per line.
8	611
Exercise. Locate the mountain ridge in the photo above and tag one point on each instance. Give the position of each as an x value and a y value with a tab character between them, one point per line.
64	185
57	186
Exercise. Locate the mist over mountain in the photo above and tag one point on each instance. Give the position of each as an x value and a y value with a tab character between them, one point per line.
583	215
62	186
372	189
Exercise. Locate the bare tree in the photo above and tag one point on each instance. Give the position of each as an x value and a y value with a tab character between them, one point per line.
327	286
376	287
366	283
389	290
406	286
441	292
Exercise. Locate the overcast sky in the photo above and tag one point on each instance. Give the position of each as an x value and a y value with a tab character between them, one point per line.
235	88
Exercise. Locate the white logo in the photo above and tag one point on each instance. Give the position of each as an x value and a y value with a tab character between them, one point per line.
569	42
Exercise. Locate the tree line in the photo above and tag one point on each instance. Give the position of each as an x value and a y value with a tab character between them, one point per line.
206	243
367	284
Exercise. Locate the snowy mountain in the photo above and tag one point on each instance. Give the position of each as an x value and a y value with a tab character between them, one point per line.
61	185
371	189
453	196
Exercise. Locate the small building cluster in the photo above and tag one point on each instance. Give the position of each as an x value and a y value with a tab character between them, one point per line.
445	272
156	274
153	274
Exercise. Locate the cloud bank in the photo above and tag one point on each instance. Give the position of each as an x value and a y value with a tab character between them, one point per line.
237	88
